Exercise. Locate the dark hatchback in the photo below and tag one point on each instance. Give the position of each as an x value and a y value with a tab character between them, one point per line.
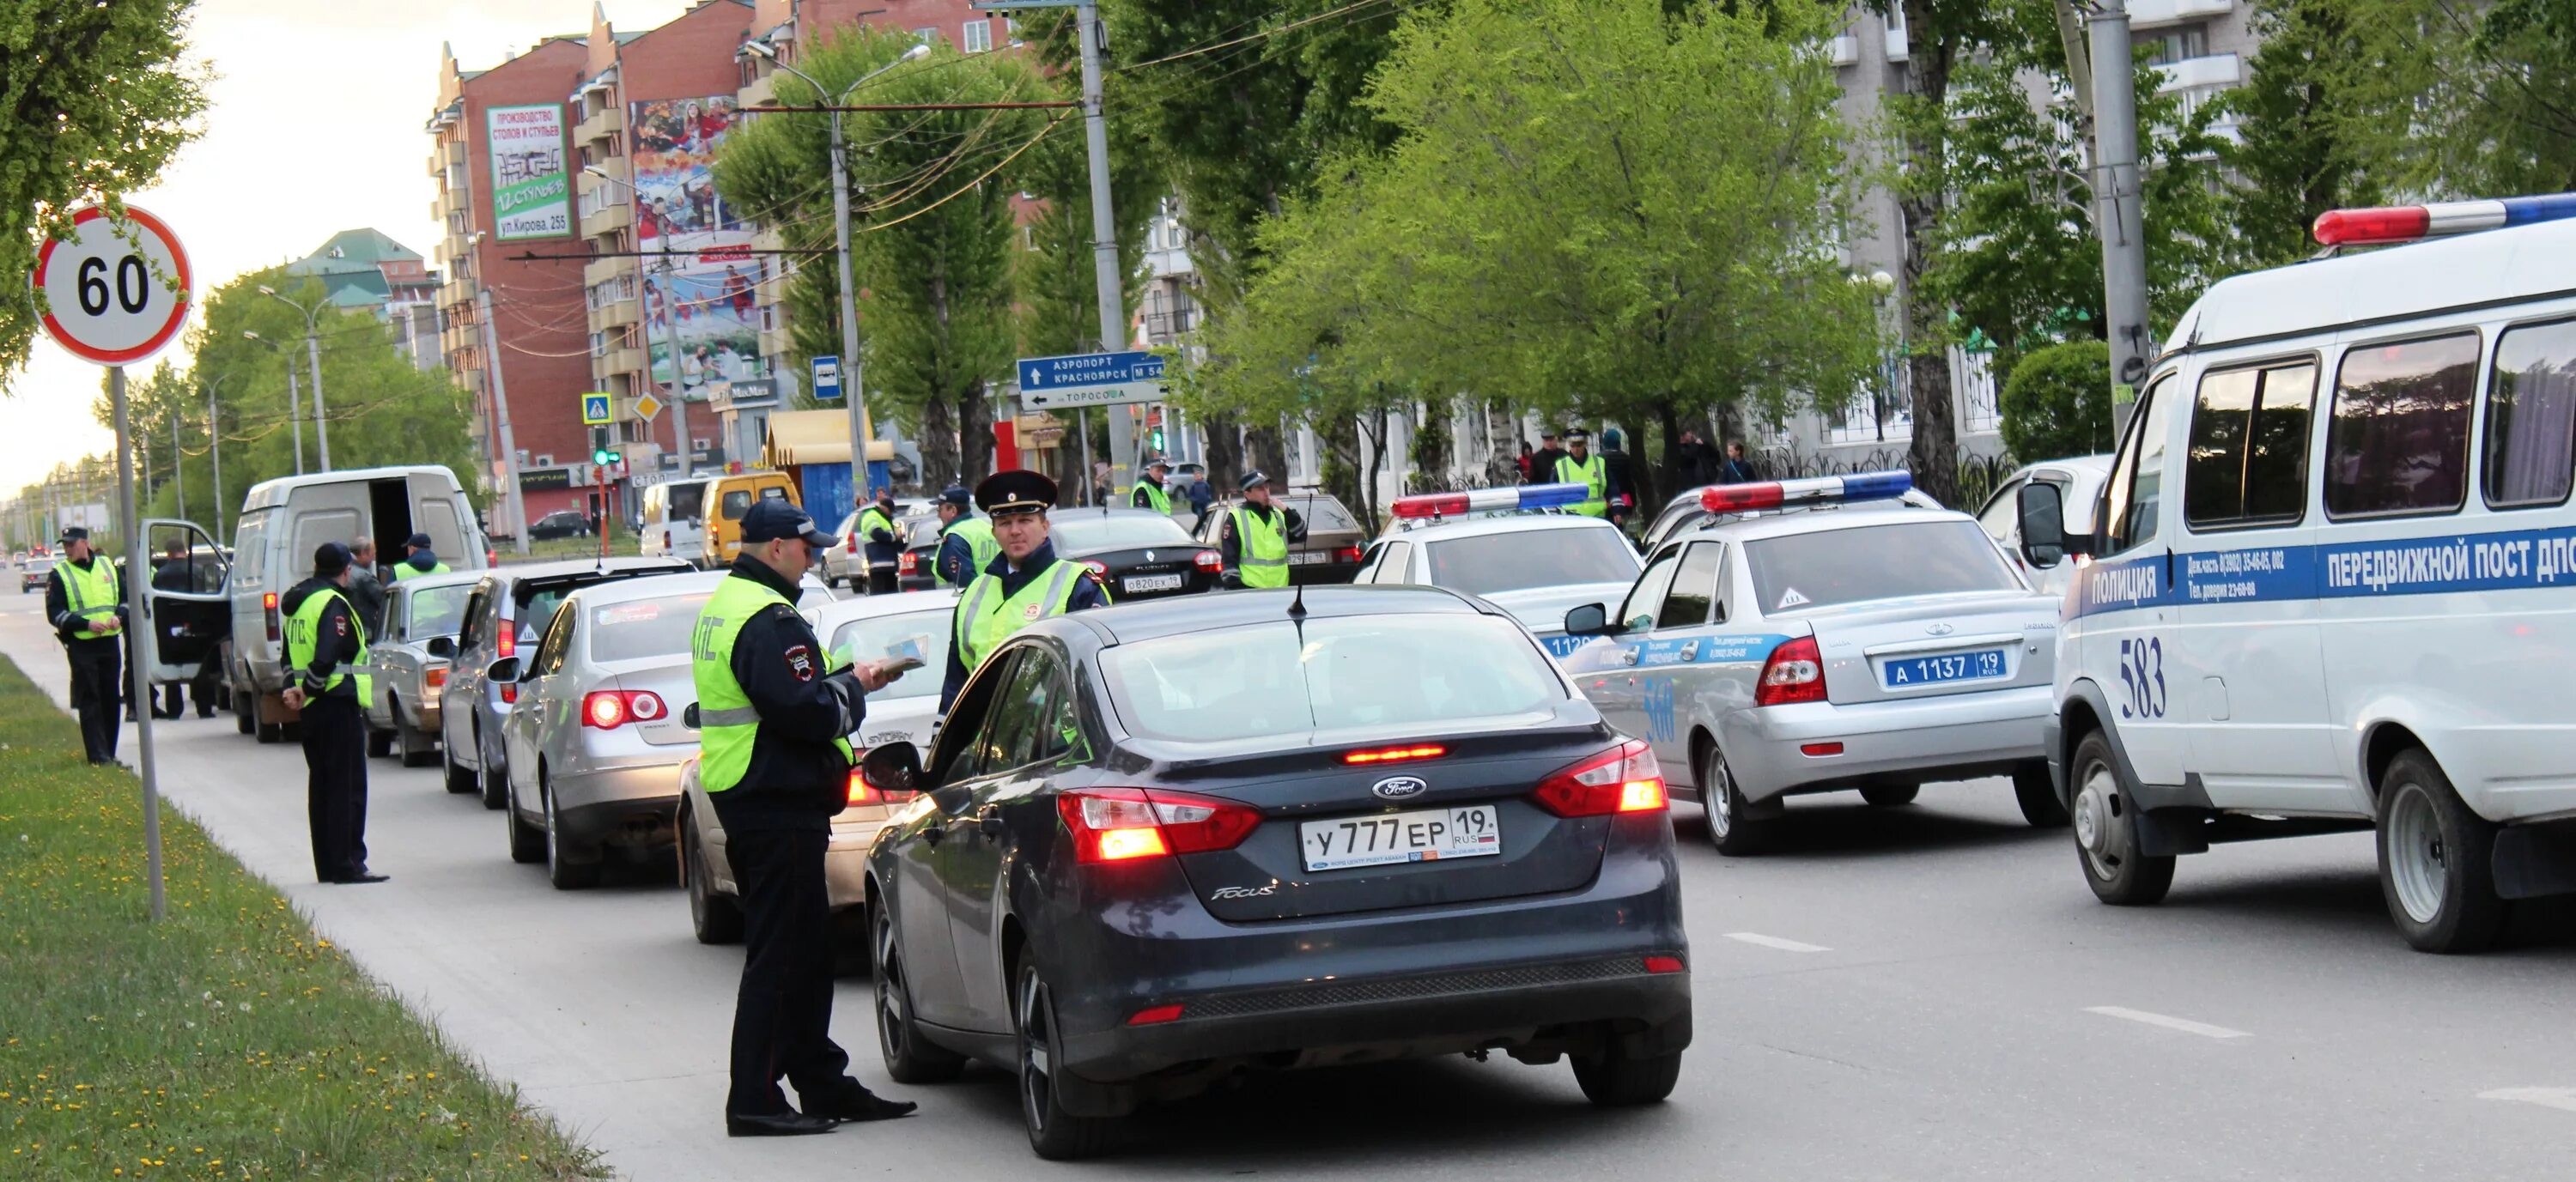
1137	553
1160	845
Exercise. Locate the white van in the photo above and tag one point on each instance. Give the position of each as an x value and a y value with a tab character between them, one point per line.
284	520
675	519
2332	583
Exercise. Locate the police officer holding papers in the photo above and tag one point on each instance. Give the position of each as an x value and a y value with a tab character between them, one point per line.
326	653
774	719
86	604
1254	540
1023	584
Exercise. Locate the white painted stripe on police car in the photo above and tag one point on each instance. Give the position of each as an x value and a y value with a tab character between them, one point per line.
1757	938
2562	1099
2186	1025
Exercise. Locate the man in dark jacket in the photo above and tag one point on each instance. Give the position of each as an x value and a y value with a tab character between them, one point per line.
879	544
326	647
172	573
1735	469
1202	497
366	591
85	602
418	559
1542	467
1622	473
775	761
1697	460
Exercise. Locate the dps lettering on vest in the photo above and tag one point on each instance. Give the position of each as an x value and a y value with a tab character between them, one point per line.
1263	546
303	631
727	723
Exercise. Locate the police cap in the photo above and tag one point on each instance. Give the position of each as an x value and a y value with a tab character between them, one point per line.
74	533
1254	479
772	518
957	495
329	559
1003	494
416	542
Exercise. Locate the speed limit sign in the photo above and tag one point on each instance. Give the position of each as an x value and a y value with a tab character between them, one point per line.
116	291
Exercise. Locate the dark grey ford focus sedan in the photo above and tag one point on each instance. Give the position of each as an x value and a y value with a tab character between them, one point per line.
1160	844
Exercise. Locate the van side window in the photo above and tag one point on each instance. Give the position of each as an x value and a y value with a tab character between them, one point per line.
2138	476
2399	439
736	503
2531	417
2249	447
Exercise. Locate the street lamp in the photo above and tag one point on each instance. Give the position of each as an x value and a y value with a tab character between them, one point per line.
860	428
669	270
313	354
294	400
513	505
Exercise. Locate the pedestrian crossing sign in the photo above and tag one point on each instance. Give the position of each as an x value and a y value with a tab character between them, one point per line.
595	409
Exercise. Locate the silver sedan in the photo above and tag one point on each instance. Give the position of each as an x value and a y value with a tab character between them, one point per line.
409	664
912	623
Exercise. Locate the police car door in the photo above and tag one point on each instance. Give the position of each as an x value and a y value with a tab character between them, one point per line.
1603	669
2122	596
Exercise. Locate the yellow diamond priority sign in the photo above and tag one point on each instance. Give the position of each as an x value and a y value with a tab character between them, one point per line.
648	407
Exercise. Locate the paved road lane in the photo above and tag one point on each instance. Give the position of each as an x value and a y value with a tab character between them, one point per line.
1913	993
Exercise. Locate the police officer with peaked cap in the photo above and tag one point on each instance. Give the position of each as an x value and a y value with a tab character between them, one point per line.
774	758
326	657
1253	542
1023	584
966	544
85	601
1151	492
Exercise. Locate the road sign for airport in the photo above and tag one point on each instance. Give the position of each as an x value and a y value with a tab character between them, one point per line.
1090	379
597	410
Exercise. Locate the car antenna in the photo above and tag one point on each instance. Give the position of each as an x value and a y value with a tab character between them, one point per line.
1297	604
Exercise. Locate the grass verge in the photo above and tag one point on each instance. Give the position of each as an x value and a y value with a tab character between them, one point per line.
226	1041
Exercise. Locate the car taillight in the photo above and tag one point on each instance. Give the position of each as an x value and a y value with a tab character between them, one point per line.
1208	560
1099	570
508	640
854	541
860	791
1117	824
1795	673
1624	779
510	694
611	709
1347	554
268	605
908	562
434	679
1395	754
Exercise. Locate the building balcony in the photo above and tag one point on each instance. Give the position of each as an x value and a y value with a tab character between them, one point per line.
607	219
601	271
2149	14
615	314
617	360
2215	70
599	126
1845	49
774	342
1897	46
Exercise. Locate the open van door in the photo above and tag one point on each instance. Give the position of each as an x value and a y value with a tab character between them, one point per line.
188	600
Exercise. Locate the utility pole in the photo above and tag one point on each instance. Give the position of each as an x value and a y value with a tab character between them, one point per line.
670	271
313	355
1104	243
215	452
178	470
2120	219
517	510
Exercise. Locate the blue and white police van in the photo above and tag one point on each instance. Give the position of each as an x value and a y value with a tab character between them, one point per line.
2331	583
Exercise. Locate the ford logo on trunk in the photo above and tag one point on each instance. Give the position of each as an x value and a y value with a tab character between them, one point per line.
1399	788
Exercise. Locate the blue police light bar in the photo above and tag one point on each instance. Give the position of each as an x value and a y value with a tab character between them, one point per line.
1453	504
2387	225
1777	494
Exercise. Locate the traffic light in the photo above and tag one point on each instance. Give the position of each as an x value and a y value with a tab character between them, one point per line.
604	457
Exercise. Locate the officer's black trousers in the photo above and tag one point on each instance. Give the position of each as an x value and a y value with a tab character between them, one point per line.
98	692
782	1018
882	580
335	787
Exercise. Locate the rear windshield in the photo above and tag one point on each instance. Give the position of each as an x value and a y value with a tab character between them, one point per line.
1076	531
923	530
1528	558
1323	513
649	628
913	634
1330	674
684	501
1875	562
438	611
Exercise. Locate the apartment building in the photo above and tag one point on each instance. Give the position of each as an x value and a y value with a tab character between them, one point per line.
366	269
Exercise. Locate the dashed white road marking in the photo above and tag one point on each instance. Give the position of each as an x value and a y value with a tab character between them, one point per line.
2186	1025
1757	938
2563	1099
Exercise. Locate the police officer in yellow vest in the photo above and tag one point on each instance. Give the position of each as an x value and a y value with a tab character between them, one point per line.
86	604
418	559
774	757
966	544
1254	540
1580	466
1152	492
879	543
326	651
1024	583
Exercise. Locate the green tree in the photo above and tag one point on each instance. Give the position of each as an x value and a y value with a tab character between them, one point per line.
93	105
2058	401
2463	99
2298	157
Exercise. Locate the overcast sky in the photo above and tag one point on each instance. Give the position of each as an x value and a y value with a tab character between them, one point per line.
315	127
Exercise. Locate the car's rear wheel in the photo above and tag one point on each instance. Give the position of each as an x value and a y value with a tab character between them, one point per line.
1729	829
2106	832
2037	796
1615	1078
2435	860
713	918
527	842
909	1059
567	867
1888	796
245	704
1055	1134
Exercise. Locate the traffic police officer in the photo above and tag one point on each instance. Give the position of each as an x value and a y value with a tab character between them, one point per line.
1580	466
775	760
326	653
86	604
881	545
1254	540
1023	584
417	560
966	544
1150	492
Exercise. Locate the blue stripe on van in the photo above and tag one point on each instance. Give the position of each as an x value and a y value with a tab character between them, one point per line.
2513	560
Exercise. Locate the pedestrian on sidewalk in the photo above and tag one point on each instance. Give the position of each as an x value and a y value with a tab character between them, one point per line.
775	761
326	653
86	604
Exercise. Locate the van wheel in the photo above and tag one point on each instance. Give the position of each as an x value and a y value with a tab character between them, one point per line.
1055	1134
2106	833
1888	796
2037	796
244	703
269	732
2434	859
1728	829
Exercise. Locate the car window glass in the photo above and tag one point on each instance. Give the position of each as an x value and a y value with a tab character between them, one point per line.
980	754
1372	674
2398	441
2138	491
474	627
2531	416
558	642
1324	513
436	611
921	635
1694	588
1797	572
1395	563
643	629
1115	531
1647	596
1027	711
2002	511
736	503
2248	457
1490	564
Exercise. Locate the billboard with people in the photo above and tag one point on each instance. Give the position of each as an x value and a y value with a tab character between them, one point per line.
531	197
705	284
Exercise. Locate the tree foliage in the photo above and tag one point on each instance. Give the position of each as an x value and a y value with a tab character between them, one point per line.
93	105
2463	98
2298	157
2058	401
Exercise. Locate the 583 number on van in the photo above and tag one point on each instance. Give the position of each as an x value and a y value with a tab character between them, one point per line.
2142	675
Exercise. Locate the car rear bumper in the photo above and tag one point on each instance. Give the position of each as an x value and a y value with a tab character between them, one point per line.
845	862
1953	737
625	804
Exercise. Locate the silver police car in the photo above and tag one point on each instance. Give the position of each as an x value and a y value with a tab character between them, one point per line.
1513	547
1860	643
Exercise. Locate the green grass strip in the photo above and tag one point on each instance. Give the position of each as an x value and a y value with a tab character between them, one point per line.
227	1041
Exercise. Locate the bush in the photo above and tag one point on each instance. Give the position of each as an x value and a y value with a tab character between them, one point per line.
2057	402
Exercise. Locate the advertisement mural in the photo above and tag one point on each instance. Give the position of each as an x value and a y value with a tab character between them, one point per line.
706	283
531	197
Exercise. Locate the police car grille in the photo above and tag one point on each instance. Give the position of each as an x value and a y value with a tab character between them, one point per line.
1414	988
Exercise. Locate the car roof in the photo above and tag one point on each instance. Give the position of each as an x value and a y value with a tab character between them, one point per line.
2094	465
1512	523
681	581
1816	521
2379	286
523	571
869	607
462	578
1155	618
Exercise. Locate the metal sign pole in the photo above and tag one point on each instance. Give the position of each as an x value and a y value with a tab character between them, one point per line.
139	629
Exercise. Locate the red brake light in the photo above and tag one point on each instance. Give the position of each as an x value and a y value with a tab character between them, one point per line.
1117	824
508	640
854	541
1154	1015
860	791
434	678
1395	754
1348	554
1208	560
1795	673
611	709
510	694
268	605
1664	964
907	562
1624	779
1099	570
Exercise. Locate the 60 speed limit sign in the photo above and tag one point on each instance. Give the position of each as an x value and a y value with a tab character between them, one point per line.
115	291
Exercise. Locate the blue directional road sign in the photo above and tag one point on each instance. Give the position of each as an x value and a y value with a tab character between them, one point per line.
1090	379
598	410
827	379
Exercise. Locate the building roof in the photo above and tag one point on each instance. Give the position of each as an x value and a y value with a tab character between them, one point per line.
351	266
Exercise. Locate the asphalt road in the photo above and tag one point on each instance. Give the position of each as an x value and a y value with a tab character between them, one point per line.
1925	992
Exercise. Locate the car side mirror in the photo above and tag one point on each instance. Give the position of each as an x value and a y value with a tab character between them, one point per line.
689	717
892	767
503	672
2041	508
442	647
1591	619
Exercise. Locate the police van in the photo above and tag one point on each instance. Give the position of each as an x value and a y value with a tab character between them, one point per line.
2331	583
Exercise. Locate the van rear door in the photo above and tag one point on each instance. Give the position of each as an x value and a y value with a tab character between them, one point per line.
434	503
